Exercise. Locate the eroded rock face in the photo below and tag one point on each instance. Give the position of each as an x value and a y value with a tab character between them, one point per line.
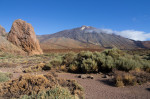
2	31
22	35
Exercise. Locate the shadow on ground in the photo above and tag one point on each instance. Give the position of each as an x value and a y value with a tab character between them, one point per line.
148	89
107	82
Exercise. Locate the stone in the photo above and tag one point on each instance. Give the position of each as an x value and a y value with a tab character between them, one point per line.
23	36
90	76
82	76
105	76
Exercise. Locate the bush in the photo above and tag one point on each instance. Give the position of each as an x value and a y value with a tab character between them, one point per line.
73	68
26	84
131	78
68	58
106	61
56	62
126	64
4	77
54	93
124	80
40	86
88	66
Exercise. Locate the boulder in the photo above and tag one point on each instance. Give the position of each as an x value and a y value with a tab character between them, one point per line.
23	36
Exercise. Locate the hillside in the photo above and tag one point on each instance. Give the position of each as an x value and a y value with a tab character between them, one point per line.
146	44
6	46
2	31
86	35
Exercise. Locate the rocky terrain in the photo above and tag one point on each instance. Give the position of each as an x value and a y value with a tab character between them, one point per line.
2	31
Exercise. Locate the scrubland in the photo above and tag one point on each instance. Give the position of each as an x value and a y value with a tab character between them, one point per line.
35	77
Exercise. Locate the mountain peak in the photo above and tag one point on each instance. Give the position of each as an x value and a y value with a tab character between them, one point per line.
85	27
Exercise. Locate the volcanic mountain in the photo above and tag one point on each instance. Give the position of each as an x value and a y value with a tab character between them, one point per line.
86	37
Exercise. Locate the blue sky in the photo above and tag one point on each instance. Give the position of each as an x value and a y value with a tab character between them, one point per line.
127	17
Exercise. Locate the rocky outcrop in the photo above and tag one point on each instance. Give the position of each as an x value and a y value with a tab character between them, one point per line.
2	31
22	35
8	47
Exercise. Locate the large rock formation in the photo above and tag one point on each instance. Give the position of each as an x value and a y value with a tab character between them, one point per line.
8	47
2	31
22	35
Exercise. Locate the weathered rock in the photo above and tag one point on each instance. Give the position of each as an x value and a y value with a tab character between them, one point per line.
82	76
105	76
90	76
2	31
22	35
86	76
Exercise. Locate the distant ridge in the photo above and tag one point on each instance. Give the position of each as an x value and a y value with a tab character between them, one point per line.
87	35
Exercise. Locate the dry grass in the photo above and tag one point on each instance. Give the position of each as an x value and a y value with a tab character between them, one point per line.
35	84
38	67
131	78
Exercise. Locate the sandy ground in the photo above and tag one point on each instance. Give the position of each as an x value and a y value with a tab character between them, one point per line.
100	88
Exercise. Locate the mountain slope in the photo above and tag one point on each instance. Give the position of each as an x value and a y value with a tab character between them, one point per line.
89	35
7	46
65	43
2	31
146	44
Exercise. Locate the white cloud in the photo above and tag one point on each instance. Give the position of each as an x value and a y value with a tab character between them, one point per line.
131	34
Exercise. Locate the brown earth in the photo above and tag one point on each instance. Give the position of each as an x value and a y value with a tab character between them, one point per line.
71	50
101	88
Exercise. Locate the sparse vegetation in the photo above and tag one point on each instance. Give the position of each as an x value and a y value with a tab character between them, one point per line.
133	69
54	93
38	67
131	78
40	86
4	77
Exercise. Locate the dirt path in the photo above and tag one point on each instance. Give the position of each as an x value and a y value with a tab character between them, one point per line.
99	88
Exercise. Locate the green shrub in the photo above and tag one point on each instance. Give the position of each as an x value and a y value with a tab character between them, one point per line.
56	62
127	64
89	65
4	77
68	58
73	68
87	62
54	93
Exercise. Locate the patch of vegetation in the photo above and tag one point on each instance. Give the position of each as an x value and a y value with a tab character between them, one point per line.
88	62
8	65
131	78
4	77
56	61
38	67
39	86
54	93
